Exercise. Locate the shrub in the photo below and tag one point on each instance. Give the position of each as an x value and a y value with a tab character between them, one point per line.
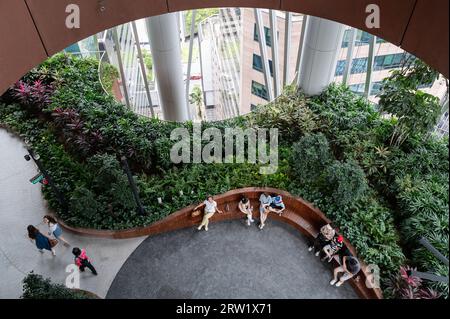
345	182
311	156
289	113
36	287
404	286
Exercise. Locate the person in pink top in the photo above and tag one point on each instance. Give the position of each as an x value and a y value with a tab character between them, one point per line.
82	260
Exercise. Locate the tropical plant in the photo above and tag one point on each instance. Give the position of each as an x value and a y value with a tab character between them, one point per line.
405	286
36	287
196	98
311	156
328	145
415	110
345	182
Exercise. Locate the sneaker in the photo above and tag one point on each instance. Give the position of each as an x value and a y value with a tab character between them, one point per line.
310	248
206	228
248	222
199	228
317	254
332	282
339	283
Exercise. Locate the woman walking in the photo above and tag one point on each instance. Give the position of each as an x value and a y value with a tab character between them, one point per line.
55	229
210	210
42	242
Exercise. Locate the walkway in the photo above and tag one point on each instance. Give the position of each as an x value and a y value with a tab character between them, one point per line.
21	204
231	260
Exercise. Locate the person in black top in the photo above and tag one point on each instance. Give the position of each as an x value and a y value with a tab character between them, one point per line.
350	267
324	237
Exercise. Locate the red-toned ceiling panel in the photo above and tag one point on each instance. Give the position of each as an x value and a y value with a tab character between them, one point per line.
180	5
394	14
50	17
20	46
427	34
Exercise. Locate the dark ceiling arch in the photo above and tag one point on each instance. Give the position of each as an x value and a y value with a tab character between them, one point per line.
32	30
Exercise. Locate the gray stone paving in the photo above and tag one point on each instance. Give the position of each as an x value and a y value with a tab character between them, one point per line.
228	261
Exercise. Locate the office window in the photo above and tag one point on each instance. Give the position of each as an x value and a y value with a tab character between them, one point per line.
267	34
381	62
362	38
389	61
359	88
340	67
376	88
259	90
257	64
359	65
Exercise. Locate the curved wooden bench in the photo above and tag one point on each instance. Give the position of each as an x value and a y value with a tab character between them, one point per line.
299	213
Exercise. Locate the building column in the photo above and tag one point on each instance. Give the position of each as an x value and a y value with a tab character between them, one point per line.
164	41
323	41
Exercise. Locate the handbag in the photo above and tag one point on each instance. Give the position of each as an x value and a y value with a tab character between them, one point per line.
195	213
53	242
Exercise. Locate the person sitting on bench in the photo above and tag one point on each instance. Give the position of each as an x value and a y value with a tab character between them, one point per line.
333	247
265	199
324	237
277	205
350	267
244	207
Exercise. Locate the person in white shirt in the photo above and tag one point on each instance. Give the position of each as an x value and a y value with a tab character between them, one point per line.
244	207
265	201
55	229
210	210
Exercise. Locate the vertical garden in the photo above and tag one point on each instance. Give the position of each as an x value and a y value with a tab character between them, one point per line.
380	174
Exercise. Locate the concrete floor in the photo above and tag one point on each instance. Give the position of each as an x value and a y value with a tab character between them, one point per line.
231	260
21	204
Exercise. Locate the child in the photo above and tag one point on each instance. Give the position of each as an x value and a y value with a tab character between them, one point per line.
333	247
82	261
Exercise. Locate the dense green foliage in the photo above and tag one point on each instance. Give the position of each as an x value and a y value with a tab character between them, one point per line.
414	110
36	287
201	15
108	74
335	151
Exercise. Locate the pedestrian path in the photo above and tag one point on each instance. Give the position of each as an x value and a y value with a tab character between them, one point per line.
21	204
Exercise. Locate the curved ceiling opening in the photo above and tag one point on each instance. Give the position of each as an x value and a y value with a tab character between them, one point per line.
418	26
